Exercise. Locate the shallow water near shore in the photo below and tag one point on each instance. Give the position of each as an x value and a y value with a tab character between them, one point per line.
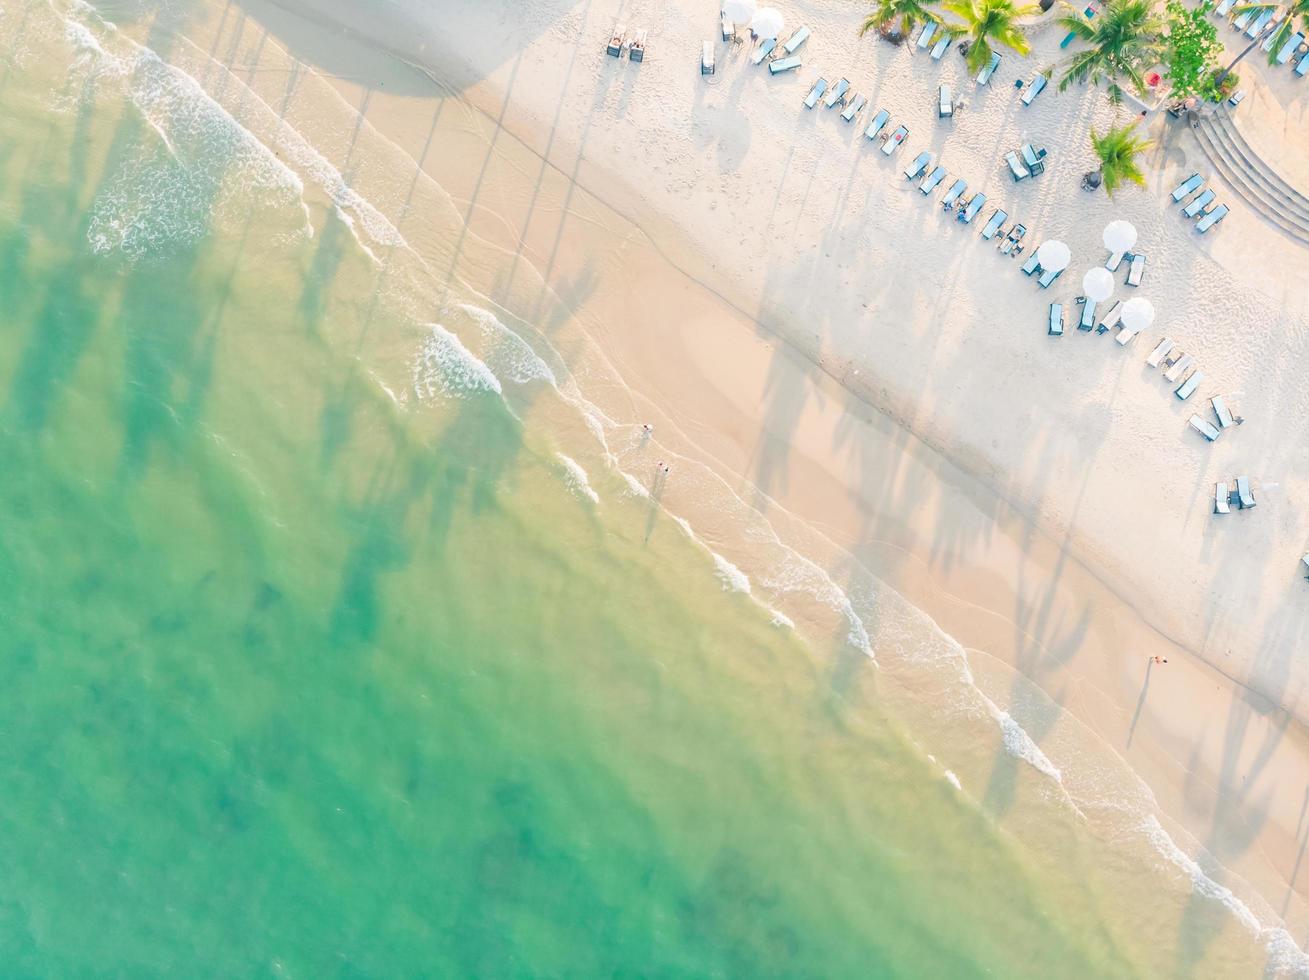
342	633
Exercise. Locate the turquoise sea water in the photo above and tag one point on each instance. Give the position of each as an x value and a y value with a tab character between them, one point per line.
318	658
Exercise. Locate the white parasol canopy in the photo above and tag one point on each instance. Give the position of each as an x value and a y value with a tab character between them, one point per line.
1119	236
1138	313
739	11
767	22
1098	284
1054	256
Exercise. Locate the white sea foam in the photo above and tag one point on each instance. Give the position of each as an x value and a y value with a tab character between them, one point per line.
733	579
505	352
953	780
576	479
444	366
1019	744
635	486
782	620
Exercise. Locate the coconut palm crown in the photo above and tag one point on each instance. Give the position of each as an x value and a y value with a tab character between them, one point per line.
1122	42
1118	150
904	14
989	22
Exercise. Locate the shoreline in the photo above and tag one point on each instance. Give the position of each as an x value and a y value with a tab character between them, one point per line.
982	576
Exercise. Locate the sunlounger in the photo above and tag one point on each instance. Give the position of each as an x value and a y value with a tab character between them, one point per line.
944	102
1259	23
1034	88
1303	66
837	93
1236	98
1305	562
1222	498
1031	265
1049	276
1188	186
985	74
992	226
763	51
1056	320
636	50
1292	42
1179	364
931	180
1088	315
1187	387
1126	336
894	140
1211	219
1160	352
707	58
876	125
1136	270
1198	205
1111	318
917	165
974	206
939	48
1241	20
729	29
1226	418
1114	261
1015	167
929	30
952	195
1273	27
779	65
1225	8
815	93
1243	492
615	46
1205	429
853	108
793	42
1015	236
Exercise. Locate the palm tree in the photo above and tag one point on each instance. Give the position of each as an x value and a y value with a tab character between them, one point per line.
1123	40
987	21
1117	150
908	13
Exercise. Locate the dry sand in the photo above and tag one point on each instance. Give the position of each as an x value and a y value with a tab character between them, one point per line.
789	311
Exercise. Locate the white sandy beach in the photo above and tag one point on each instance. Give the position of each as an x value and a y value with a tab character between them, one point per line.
794	316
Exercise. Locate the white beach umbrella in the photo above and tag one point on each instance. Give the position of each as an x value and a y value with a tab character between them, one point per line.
1098	284
1119	236
767	22
1054	256
1138	313
739	11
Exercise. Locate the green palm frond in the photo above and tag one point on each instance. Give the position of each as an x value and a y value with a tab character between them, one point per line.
905	14
1118	150
986	23
1121	42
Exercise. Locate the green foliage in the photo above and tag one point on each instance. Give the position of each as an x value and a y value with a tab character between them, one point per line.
1218	85
905	14
988	22
1118	150
1122	41
1191	47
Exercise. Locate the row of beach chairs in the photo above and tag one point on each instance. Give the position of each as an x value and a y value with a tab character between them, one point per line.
1202	206
1227	419
779	57
1252	22
1178	368
620	41
1244	496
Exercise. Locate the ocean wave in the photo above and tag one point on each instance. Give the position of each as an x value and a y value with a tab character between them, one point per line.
444	366
576	479
733	579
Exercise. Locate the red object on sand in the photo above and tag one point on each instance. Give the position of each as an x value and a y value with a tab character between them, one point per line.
1153	79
